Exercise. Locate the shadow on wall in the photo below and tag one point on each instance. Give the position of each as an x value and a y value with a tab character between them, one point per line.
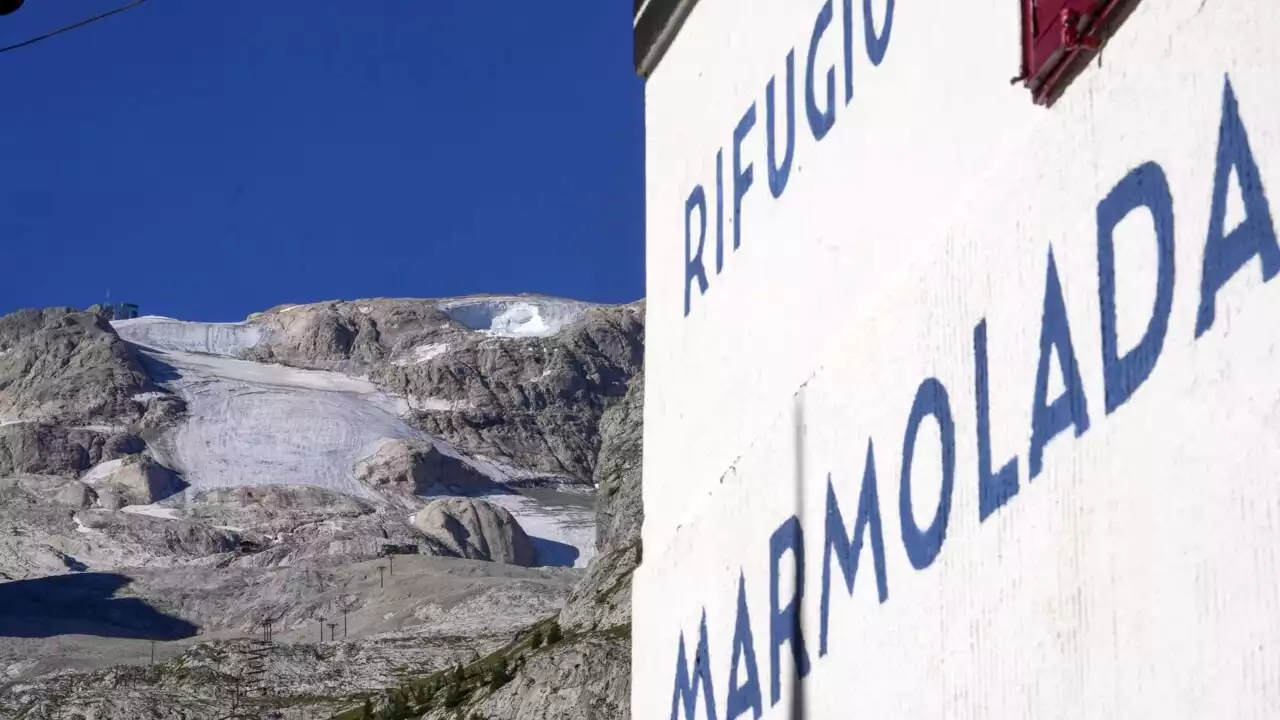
83	604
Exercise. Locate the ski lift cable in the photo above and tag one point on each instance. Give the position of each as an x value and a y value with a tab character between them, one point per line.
73	26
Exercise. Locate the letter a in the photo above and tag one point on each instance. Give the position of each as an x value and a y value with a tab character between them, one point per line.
1225	253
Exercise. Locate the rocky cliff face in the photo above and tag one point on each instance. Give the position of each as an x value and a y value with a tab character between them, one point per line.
70	368
520	382
586	673
72	394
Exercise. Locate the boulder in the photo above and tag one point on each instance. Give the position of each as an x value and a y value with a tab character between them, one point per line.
75	494
419	468
137	478
477	530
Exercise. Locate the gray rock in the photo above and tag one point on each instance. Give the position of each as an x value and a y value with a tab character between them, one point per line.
419	468
476	529
602	600
76	494
172	537
110	499
619	504
140	480
585	678
69	367
42	448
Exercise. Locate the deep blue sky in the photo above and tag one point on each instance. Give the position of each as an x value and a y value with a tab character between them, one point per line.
210	159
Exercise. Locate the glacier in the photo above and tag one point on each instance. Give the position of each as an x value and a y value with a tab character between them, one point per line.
254	424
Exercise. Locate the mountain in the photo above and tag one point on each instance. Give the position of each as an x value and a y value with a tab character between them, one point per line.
173	487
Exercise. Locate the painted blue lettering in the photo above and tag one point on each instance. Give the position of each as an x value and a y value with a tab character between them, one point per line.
746	696
778	174
1071	407
743	177
693	267
820	121
846	21
994	489
685	695
923	546
877	44
849	550
784	620
719	211
1225	253
1145	186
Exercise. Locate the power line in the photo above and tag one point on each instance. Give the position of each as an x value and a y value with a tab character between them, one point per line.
73	26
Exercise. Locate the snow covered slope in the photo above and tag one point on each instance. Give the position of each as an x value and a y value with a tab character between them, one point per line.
252	424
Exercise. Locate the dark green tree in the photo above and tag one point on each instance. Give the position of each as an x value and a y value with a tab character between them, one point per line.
499	676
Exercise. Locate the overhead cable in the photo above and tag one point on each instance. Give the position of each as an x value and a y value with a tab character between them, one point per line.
73	26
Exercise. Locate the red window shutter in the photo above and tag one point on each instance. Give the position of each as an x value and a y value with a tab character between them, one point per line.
1054	34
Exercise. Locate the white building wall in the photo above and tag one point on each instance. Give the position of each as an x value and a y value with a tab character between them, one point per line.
1136	574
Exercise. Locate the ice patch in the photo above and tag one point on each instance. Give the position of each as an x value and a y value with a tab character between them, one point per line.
147	397
161	333
252	424
514	318
163	513
291	307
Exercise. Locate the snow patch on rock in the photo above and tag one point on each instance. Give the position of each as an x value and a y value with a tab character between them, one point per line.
514	317
102	471
422	353
155	511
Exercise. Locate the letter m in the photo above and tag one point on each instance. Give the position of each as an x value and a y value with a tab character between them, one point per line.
849	550
686	685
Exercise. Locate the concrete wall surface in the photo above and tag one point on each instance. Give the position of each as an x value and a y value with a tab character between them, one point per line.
1012	373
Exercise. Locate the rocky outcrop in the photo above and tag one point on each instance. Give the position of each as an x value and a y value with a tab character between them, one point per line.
172	537
39	448
134	480
59	365
477	530
603	599
529	394
414	467
619	504
587	674
75	495
587	678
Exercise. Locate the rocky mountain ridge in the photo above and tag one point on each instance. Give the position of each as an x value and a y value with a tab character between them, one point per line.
176	485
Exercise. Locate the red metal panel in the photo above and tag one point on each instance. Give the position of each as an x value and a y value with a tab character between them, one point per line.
1053	33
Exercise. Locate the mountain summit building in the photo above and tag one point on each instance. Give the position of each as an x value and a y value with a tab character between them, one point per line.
963	360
